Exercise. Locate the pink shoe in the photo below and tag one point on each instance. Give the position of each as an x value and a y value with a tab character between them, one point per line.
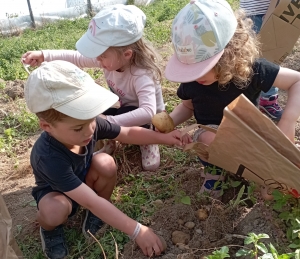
150	157
270	107
109	147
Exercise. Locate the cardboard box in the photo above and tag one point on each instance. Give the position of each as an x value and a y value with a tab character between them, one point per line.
280	30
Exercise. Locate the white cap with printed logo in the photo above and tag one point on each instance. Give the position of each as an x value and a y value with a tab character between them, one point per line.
114	26
62	86
200	32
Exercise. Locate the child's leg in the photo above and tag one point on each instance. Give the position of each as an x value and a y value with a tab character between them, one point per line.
150	153
54	209
101	177
212	174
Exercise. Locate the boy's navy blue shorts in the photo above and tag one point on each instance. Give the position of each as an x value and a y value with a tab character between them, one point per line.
40	194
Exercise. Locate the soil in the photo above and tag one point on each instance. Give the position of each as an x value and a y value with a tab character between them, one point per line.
223	226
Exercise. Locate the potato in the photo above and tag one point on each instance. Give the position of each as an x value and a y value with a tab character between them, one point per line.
202	214
164	243
163	122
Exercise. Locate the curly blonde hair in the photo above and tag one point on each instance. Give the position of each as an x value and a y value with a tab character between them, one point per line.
144	56
243	49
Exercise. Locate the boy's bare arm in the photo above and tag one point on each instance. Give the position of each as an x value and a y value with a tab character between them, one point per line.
142	136
103	209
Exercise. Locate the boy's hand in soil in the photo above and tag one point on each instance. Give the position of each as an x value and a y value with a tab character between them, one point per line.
149	242
33	58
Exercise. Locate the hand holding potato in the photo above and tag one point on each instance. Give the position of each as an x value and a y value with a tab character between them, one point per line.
163	122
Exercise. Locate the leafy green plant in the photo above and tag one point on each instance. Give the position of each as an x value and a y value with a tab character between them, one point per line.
290	215
248	196
181	197
219	254
258	246
254	239
280	199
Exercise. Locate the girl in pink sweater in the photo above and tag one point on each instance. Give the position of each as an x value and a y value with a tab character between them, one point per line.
114	43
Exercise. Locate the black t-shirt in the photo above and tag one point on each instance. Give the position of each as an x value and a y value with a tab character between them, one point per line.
56	166
209	101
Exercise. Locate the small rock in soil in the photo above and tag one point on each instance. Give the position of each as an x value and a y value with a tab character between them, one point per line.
180	237
182	246
180	222
189	225
158	203
185	256
164	243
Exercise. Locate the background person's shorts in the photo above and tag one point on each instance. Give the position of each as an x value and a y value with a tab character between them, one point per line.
199	131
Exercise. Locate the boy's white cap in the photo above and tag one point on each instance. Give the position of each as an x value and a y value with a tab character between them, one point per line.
114	26
200	32
62	86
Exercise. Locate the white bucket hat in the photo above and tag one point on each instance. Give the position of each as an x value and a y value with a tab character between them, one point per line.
114	26
62	86
200	32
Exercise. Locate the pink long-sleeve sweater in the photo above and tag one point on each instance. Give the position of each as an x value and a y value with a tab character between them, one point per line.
134	86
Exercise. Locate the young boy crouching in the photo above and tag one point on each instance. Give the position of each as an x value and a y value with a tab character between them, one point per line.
67	103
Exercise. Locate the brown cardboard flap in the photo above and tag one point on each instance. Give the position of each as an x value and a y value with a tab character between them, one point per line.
288	11
280	30
265	128
8	246
278	34
272	6
200	148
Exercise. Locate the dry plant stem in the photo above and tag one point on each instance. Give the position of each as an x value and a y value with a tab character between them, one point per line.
125	161
116	246
98	243
74	256
215	248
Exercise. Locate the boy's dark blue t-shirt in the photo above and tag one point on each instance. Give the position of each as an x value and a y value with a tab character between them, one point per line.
209	101
56	166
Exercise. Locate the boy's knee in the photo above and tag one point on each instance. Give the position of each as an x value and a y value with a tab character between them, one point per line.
55	210
104	163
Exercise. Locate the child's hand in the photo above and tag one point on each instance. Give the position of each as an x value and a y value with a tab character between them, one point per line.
33	58
149	242
186	139
173	138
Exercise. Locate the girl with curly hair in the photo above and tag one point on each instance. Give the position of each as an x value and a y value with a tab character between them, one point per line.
216	59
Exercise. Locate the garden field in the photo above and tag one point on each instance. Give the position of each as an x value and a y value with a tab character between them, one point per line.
168	200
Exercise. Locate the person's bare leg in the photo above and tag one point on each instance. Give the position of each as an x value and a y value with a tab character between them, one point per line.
101	178
210	180
54	209
102	175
